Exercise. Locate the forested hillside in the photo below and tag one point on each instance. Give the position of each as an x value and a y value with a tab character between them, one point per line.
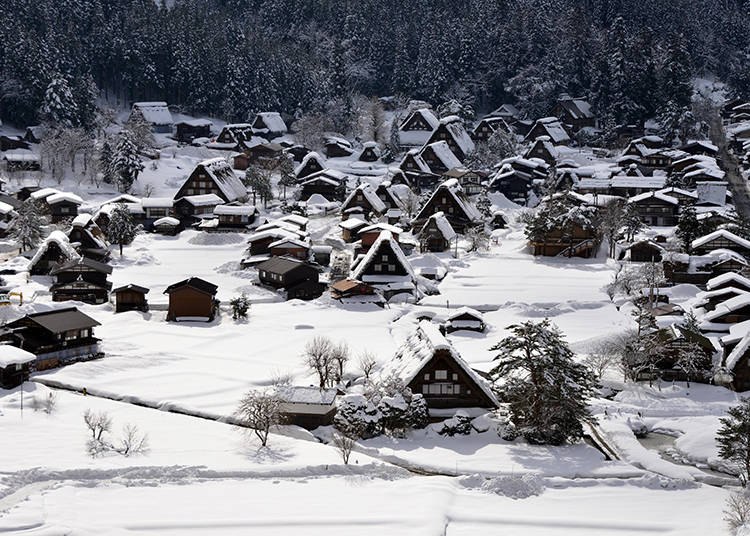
229	58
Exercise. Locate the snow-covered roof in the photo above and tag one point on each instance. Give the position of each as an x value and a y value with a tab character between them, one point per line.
443	225
465	311
62	241
443	153
167	220
453	187
728	277
203	200
5	208
554	129
275	232
155	113
737	352
352	223
712	172
224	177
273	121
369	193
426	114
420	348
382	227
312	155
10	355
295	394
290	243
728	306
655	195
157	202
721	233
43	193
385	238
64	196
235	210
458	133
295	219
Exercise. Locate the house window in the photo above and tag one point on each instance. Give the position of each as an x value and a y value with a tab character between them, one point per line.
455	377
391	267
425	388
427	376
70	335
377	267
384	258
441	374
450	210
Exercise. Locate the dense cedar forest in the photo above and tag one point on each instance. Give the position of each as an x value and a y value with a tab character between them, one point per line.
230	58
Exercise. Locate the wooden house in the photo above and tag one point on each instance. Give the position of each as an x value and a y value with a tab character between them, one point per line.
191	208
155	208
290	247
729	280
351	291
506	111
735	364
710	299
56	249
335	147
721	239
7	213
656	209
88	239
235	216
300	222
308	407
265	155
551	128
15	365
329	183
385	267
662	159
387	194
499	220
450	199
451	130
214	176
370	152
544	149
363	200
644	251
269	125
488	126
574	113
57	337
13	143
83	280
577	241
187	131
700	147
298	152
21	160
167	225
429	365
299	279
368	235
732	311
233	135
311	164
155	114
350	228
674	340
265	235
130	298
436	234
63	205
417	127
470	181
192	299
465	318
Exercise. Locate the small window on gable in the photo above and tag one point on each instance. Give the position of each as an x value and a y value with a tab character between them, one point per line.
455	377
427	376
441	374
384	258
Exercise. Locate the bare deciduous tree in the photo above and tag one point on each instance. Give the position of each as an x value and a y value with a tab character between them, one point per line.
601	358
340	355
344	444
737	510
319	358
478	239
261	411
100	424
367	364
132	442
97	423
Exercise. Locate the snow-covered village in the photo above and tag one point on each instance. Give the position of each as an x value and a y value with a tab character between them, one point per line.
323	267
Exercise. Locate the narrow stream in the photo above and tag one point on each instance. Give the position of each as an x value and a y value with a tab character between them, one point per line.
664	445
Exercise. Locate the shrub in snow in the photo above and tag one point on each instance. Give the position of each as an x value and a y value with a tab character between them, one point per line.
737	511
47	405
459	424
394	415
638	427
419	414
240	306
357	417
507	432
100	425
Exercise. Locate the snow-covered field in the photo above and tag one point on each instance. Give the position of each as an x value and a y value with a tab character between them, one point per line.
201	476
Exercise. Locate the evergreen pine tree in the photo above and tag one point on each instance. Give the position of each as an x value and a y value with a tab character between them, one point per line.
126	164
733	438
688	227
106	158
121	229
26	226
546	389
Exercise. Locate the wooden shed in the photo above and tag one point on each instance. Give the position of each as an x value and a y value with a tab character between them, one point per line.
130	298
192	299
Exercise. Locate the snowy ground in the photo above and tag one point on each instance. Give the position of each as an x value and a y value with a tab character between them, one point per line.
202	476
